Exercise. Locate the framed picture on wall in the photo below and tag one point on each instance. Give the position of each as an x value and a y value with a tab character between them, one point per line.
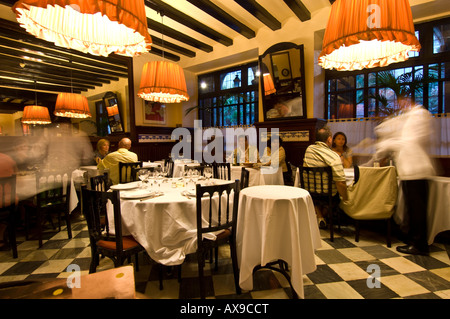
154	112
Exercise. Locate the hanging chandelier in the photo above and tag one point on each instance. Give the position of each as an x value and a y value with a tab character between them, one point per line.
163	81
72	105
35	114
367	34
96	27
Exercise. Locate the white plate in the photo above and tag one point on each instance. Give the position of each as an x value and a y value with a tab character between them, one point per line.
136	194
120	187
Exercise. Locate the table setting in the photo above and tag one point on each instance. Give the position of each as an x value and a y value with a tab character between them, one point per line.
160	213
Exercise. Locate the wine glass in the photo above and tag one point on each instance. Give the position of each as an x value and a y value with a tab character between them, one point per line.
208	173
143	175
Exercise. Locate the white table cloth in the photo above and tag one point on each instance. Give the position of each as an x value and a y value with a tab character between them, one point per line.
276	222
165	226
438	210
259	176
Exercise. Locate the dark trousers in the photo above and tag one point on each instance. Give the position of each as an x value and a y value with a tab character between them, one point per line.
415	195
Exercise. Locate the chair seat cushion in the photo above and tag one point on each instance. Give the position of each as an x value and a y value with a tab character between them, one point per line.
128	243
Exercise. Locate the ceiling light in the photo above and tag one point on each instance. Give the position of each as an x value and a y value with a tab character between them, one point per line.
361	35
96	27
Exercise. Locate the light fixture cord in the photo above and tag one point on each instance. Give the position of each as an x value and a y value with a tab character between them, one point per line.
35	92
162	32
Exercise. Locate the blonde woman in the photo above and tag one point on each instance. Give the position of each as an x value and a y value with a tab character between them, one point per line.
102	150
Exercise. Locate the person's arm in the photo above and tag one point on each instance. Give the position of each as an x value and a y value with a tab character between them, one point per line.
342	190
347	161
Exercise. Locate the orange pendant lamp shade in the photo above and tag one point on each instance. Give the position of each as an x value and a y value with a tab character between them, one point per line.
367	34
269	86
72	105
34	114
97	27
163	82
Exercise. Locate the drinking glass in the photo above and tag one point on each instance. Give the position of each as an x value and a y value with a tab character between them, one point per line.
208	173
143	175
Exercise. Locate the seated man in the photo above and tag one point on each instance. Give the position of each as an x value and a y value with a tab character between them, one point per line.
320	154
111	161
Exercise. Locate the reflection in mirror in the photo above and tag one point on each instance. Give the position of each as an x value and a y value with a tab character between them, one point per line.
282	82
111	102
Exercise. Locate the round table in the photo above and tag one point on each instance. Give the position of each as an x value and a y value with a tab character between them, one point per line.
166	226
276	222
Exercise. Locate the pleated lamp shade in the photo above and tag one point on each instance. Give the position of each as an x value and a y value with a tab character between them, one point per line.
34	114
97	27
164	82
72	105
367	34
269	86
112	110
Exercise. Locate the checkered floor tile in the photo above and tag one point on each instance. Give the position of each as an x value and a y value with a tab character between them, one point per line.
343	269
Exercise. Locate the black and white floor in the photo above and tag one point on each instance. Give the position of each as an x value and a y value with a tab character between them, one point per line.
342	269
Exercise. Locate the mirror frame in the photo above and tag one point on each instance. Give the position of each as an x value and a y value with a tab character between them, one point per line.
274	98
111	119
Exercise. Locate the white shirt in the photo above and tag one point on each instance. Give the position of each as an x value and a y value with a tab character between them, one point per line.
409	137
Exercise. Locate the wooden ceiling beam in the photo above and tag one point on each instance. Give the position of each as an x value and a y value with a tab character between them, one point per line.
300	10
180	17
260	13
177	35
224	17
173	47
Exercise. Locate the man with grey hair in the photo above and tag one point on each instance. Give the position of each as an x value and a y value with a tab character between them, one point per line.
111	161
320	154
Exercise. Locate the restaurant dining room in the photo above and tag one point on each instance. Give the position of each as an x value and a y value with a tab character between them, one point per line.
238	151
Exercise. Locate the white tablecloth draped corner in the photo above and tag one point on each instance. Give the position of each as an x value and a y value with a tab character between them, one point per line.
276	222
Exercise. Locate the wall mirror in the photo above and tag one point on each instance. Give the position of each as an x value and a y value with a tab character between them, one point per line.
283	81
111	103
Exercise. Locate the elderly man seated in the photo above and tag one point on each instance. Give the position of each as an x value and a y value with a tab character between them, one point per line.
111	161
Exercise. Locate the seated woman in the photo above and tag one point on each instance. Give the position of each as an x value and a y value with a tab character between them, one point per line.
278	155
101	151
340	146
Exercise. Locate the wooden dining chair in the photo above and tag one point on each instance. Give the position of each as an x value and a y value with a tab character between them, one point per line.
8	211
126	174
245	176
168	164
318	181
222	171
116	247
100	182
224	220
52	198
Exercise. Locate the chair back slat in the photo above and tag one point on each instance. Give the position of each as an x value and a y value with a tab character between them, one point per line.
245	176
100	182
94	206
53	188
317	180
126	173
217	221
168	163
222	171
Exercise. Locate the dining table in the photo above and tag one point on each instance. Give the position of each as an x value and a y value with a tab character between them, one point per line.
259	175
276	222
179	166
162	215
